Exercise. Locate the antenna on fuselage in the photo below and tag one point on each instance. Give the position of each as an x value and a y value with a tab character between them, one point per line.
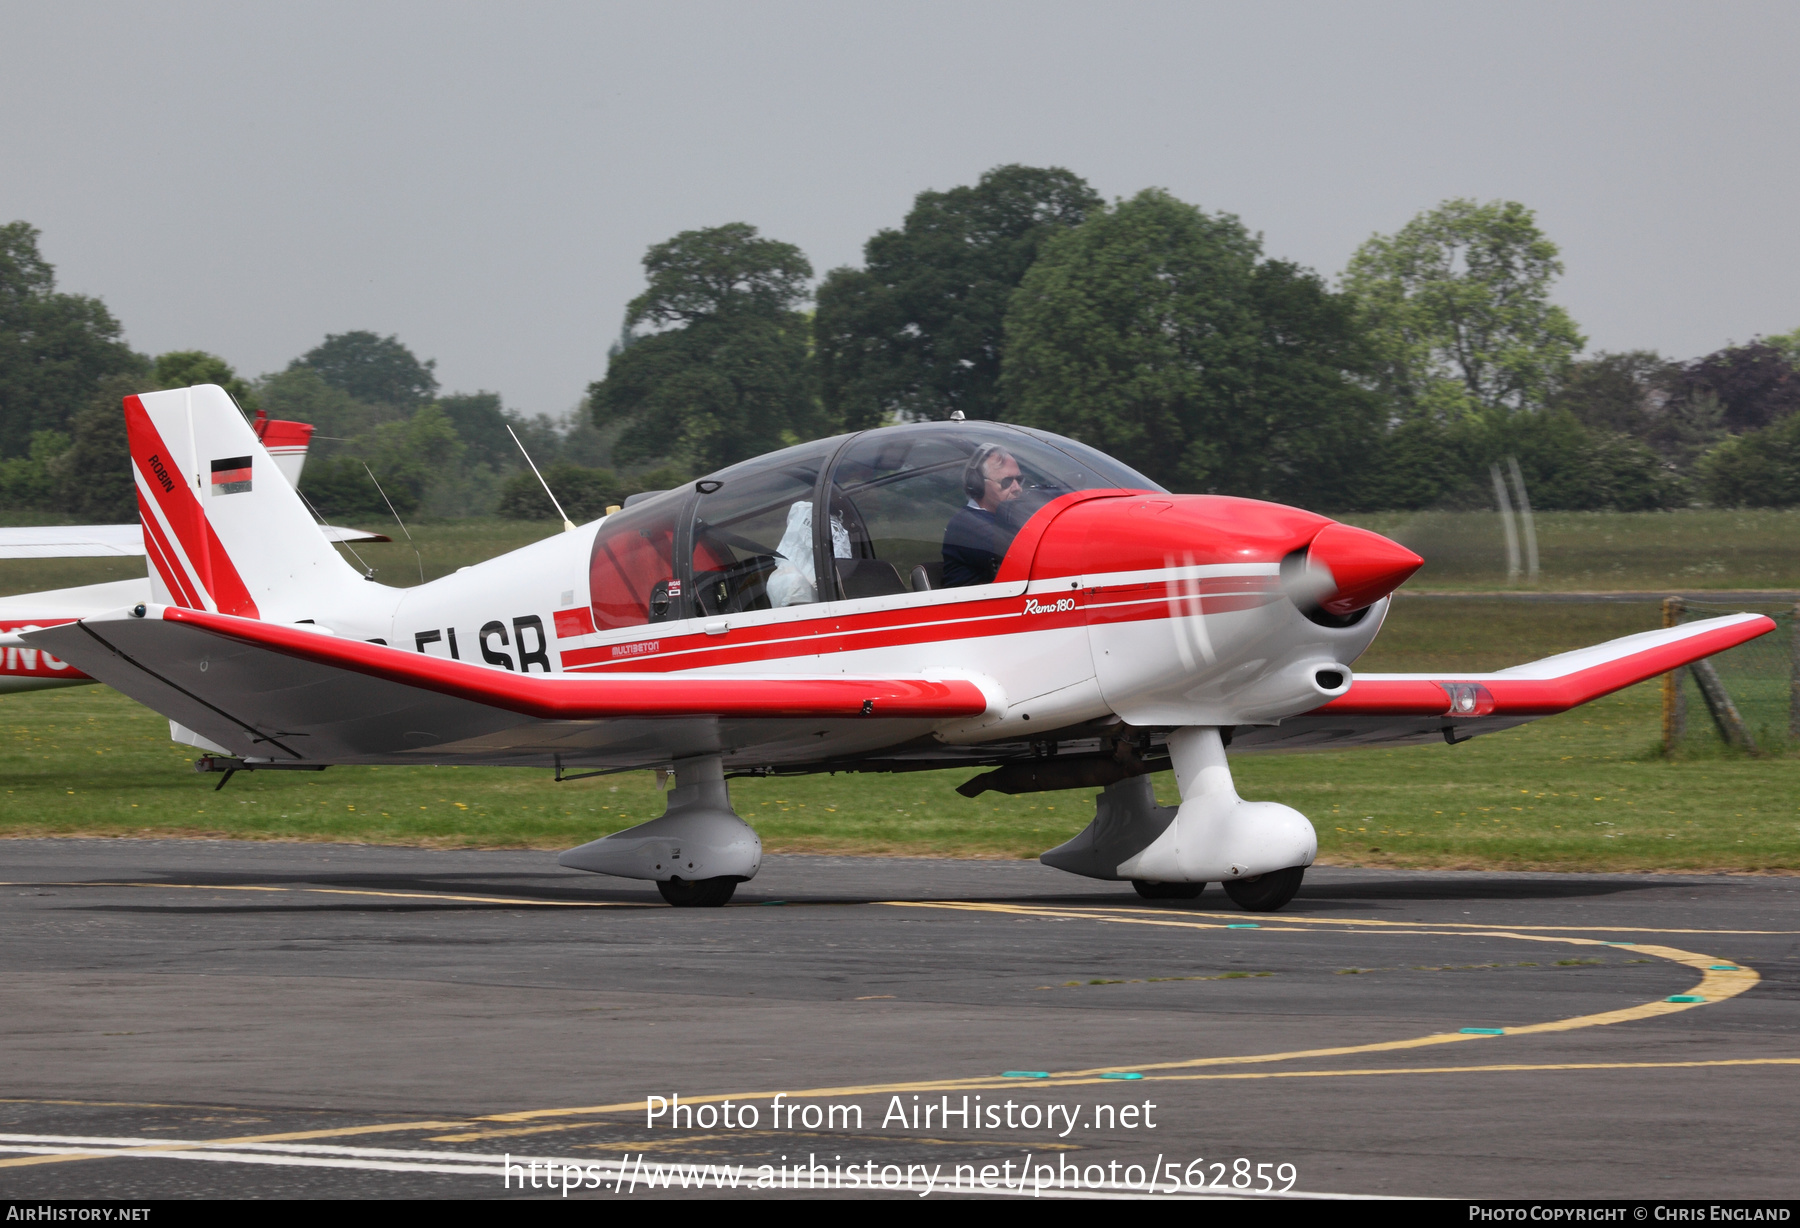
397	520
568	525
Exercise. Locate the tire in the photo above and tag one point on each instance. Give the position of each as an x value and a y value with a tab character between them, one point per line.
1265	892
702	893
1167	891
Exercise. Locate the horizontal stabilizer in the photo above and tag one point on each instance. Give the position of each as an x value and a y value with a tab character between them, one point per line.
93	541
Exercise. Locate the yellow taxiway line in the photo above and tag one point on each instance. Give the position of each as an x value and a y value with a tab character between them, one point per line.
1715	984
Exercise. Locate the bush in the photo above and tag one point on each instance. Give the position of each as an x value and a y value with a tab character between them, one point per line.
340	489
1570	468
1756	469
1566	466
26	483
584	493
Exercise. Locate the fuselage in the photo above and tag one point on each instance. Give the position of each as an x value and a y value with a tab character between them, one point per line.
1107	600
1115	601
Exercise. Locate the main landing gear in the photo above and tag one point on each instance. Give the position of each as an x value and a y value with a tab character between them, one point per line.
697	852
704	893
1258	851
1259	893
1265	892
1167	891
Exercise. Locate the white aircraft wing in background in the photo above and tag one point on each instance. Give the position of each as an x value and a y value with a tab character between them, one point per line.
92	541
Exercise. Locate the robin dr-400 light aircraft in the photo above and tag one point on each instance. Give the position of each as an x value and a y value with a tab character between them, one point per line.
931	595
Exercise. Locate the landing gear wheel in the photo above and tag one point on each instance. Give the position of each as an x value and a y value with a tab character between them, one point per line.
1167	891
1265	892
702	893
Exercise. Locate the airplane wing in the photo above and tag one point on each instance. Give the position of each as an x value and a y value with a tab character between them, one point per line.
72	541
1395	709
296	693
84	541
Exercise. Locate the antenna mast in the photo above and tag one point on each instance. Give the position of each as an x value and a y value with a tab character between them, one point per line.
568	525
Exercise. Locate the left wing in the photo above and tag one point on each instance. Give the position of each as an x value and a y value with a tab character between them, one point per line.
297	693
1393	709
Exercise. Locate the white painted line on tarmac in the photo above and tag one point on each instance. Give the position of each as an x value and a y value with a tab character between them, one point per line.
636	1174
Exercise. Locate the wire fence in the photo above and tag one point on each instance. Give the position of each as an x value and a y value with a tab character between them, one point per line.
1748	697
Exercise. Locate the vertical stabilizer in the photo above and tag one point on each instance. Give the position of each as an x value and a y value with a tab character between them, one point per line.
223	530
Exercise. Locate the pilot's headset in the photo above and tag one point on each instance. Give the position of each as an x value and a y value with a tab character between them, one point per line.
975	472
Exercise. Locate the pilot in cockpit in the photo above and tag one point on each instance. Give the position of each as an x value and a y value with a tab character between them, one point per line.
977	537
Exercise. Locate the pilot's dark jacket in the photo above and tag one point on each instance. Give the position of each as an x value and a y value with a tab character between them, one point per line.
975	541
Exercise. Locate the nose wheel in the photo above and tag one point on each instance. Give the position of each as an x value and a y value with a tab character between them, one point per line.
1265	892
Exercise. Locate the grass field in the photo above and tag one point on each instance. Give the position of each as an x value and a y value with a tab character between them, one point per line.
1681	551
1589	790
1603	551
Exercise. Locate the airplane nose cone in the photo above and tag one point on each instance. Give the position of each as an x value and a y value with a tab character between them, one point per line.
1364	567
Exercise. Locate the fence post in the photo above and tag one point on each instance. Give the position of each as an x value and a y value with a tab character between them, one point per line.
1674	699
1718	701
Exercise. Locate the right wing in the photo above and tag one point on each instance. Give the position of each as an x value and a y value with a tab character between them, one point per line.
1395	709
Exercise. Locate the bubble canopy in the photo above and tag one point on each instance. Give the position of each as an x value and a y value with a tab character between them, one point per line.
863	515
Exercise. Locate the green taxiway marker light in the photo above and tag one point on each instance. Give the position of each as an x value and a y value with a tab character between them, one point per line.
1724	968
1484	1031
773	903
1685	997
1244	925
1120	1074
1621	944
1024	1074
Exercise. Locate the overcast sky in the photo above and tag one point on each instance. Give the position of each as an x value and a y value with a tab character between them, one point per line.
483	179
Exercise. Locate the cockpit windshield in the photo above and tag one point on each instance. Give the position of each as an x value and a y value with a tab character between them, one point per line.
903	509
935	505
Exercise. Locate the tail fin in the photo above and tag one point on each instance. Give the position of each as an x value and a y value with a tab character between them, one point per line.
223	532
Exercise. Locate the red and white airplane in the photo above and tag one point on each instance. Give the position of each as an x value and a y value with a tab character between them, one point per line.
931	595
24	668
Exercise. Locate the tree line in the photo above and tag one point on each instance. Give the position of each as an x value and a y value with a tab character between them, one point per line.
1165	335
384	430
1148	327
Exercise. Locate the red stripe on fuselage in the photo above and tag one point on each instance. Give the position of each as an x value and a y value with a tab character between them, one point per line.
572	623
810	637
926	624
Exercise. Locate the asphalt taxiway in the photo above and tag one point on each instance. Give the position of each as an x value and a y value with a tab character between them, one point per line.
217	1018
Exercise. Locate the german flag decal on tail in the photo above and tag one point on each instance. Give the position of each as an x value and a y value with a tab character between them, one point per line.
231	476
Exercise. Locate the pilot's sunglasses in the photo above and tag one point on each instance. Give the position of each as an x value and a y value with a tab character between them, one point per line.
1010	480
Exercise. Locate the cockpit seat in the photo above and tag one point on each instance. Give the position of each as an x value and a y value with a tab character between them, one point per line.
868	578
927	576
